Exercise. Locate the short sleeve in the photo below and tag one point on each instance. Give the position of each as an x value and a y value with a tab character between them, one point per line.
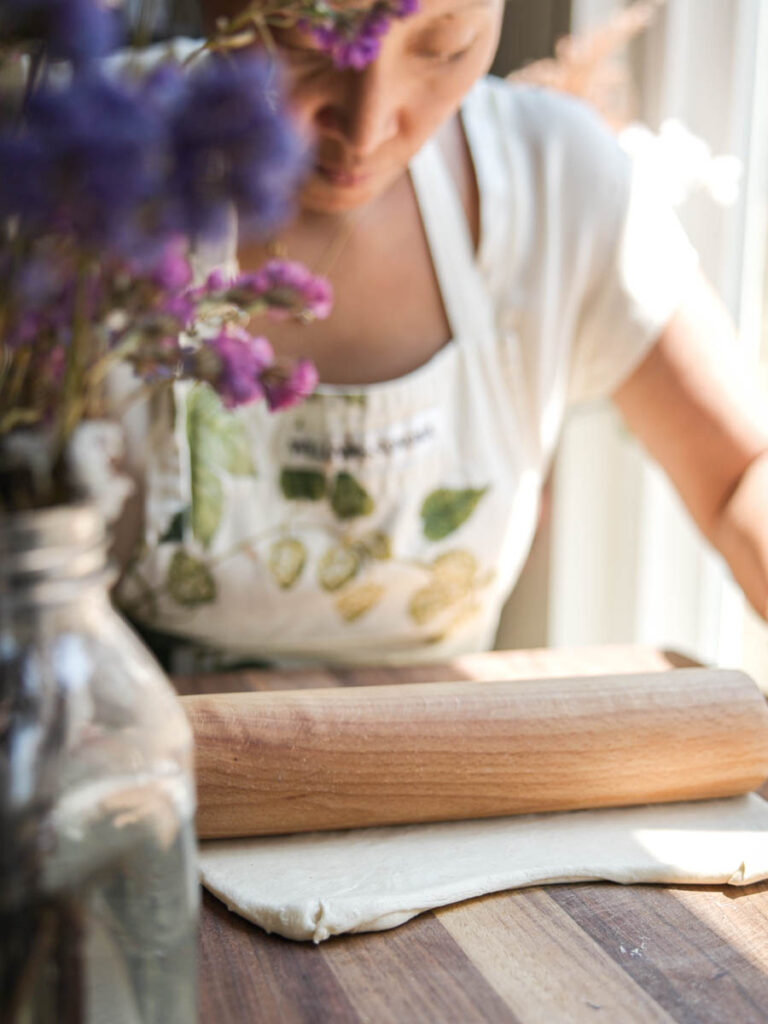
639	279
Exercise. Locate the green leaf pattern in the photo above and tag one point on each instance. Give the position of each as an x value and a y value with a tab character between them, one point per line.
349	499
217	442
355	602
190	582
445	510
302	484
453	585
174	533
338	566
287	558
346	495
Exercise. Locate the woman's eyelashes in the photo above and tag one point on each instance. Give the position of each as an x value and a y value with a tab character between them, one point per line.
445	52
298	52
308	53
449	58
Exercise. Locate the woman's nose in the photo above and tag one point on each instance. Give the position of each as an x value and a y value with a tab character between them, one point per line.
366	116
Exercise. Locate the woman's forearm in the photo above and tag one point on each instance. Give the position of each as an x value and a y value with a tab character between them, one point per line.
741	533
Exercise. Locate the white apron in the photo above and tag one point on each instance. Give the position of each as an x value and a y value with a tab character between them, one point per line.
378	523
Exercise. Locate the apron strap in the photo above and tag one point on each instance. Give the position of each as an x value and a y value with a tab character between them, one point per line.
464	293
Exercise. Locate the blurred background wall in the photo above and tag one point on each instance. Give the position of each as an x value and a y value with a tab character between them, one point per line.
530	30
617	559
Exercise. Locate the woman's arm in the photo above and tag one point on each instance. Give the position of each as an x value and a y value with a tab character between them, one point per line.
701	416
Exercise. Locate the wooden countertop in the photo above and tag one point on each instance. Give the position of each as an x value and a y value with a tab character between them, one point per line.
546	955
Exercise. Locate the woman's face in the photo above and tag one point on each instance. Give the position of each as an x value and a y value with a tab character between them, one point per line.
366	125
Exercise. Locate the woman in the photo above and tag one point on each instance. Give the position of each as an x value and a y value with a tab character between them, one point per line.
494	260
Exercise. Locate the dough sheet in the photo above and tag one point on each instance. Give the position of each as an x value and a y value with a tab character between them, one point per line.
310	887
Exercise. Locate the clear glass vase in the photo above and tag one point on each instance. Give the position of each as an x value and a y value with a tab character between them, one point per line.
98	884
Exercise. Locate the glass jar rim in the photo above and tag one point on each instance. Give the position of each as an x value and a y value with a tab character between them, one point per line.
46	547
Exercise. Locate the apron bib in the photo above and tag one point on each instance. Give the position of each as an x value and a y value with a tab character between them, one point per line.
380	523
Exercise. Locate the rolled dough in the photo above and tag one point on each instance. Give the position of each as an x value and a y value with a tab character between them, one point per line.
326	883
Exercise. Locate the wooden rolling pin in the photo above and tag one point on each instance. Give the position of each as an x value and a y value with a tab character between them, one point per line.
297	761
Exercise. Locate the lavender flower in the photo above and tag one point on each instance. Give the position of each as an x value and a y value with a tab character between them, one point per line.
238	362
232	143
23	165
284	388
75	30
126	167
92	150
287	288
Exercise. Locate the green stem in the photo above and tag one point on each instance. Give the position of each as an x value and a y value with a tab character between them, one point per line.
16	377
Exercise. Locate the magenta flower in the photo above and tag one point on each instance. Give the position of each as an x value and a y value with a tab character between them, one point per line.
216	281
402	8
353	48
287	288
180	308
238	365
56	365
172	272
284	388
354	40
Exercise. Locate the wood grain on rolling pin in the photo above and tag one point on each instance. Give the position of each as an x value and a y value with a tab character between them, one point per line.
298	761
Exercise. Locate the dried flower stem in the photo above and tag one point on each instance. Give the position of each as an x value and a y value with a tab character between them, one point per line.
74	400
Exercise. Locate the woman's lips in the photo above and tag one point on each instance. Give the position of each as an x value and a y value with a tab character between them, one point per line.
342	178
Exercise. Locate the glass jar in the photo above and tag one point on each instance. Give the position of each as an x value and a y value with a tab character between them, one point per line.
98	881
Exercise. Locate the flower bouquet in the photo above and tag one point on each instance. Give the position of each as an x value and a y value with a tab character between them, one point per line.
110	186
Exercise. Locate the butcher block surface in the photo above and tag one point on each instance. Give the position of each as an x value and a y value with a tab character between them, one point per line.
552	954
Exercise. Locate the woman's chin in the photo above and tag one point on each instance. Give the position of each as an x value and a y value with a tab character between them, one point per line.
323	195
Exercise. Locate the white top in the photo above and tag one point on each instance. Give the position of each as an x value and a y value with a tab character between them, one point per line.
389	522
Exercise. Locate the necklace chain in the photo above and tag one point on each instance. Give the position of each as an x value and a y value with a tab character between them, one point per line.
278	250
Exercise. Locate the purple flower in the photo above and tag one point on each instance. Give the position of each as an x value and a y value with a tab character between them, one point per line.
403	8
283	389
172	271
287	288
180	308
56	365
240	361
93	149
163	88
354	40
25	330
23	164
76	30
41	279
233	144
42	299
216	281
353	47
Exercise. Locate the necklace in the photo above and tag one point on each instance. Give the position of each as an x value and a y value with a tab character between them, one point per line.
278	250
